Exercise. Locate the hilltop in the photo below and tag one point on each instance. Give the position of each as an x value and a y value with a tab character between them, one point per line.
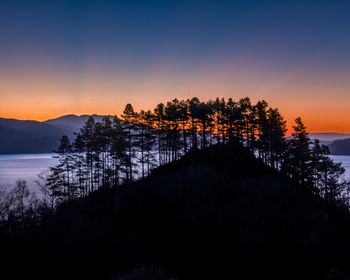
27	136
217	213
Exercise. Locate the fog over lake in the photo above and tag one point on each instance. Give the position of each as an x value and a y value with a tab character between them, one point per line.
345	160
28	166
25	167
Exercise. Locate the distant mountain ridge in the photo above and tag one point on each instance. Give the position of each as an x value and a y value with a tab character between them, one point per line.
329	136
72	122
340	147
22	136
338	143
28	136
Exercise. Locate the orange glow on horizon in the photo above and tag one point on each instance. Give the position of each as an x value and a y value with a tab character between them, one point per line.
316	121
44	93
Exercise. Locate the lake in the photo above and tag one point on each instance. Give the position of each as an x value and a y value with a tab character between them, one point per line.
345	160
28	166
25	167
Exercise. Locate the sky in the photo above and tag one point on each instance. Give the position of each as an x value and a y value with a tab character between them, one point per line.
83	57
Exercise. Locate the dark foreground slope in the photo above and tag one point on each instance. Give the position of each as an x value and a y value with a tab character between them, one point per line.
215	214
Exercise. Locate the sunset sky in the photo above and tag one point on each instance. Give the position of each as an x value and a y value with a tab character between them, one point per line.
83	57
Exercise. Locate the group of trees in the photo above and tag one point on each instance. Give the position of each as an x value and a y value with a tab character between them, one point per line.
308	164
19	207
117	150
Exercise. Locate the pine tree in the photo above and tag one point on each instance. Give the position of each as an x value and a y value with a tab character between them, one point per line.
172	119
233	116
276	129
160	130
183	112
204	115
105	136
194	116
149	141
87	133
79	163
66	166
261	120
219	107
118	150
297	163
327	173
245	108
140	141
130	118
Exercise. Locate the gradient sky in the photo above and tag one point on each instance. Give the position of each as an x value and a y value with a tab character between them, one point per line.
62	57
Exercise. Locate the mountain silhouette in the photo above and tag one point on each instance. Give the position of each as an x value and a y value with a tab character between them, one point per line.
27	136
71	122
340	147
21	136
329	136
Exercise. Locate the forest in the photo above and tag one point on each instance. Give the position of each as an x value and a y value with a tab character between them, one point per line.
116	150
161	193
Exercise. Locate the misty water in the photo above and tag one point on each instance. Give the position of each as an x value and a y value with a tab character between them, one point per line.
28	166
25	167
345	160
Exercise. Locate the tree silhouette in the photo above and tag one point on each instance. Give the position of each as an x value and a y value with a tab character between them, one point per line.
63	171
107	153
130	118
326	174
297	163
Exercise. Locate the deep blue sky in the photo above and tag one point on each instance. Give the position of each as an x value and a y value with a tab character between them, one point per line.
137	31
246	43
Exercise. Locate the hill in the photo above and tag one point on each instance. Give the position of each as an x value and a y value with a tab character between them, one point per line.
28	136
338	143
72	122
340	147
18	136
217	213
329	136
